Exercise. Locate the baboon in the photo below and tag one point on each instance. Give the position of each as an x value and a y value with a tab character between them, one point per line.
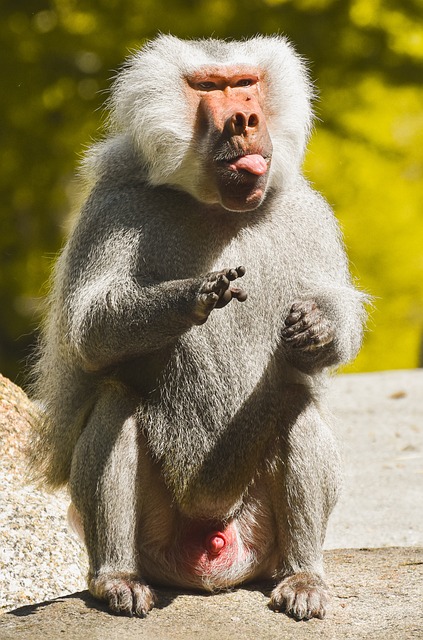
186	418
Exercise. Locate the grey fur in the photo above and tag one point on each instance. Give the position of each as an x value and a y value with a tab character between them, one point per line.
153	418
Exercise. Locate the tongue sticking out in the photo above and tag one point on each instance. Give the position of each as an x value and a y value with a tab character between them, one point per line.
253	163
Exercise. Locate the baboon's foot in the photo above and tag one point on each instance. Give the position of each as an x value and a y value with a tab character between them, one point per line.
302	596
125	593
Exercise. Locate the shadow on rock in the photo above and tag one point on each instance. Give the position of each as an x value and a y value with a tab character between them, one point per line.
165	597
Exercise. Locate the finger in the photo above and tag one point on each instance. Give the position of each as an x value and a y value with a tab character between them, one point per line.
239	294
302	324
231	274
224	299
209	299
297	306
240	271
221	283
293	318
297	329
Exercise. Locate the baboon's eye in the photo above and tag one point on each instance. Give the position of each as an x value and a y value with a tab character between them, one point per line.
206	86
245	82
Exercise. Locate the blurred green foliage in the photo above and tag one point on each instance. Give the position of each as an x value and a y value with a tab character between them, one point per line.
366	56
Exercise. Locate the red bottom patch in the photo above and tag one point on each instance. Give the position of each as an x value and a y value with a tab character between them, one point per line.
208	547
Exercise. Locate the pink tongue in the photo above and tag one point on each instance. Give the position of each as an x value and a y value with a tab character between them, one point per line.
253	163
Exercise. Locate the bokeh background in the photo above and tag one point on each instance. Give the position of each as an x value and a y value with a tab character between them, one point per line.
366	155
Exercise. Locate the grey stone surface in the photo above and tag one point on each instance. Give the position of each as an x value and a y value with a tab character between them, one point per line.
376	595
378	419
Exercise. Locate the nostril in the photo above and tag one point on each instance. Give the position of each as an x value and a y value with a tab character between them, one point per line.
239	120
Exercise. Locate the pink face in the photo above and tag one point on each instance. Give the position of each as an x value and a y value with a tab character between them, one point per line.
231	127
